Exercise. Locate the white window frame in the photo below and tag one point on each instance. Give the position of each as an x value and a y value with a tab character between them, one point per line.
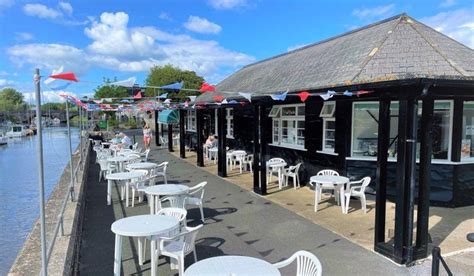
466	159
278	116
190	123
229	118
451	111
325	121
326	106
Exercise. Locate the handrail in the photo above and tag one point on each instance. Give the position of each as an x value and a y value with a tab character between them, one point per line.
436	253
60	222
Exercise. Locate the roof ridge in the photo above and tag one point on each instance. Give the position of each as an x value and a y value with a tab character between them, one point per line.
398	16
382	42
436	48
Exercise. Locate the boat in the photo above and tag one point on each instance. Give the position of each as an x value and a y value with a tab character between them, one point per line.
56	122
17	131
3	139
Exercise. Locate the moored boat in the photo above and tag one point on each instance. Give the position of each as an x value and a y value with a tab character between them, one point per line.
3	139
17	131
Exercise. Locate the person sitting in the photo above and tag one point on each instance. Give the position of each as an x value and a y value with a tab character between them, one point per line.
126	142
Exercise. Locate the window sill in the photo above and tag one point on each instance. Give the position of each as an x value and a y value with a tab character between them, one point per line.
393	160
230	137
327	152
288	147
188	130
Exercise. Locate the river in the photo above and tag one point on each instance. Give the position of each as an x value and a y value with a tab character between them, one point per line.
19	204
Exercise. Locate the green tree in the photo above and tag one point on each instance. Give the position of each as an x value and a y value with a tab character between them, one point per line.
53	106
109	91
11	100
168	74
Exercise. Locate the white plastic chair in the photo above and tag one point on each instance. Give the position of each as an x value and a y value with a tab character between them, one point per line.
357	189
178	213
307	264
135	146
175	201
328	173
138	185
248	162
271	171
146	153
293	172
180	246
195	196
238	157
160	171
103	168
134	158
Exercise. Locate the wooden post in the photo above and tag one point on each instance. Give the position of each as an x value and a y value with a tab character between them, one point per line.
222	141
262	189
199	127
170	137
457	130
182	133
256	150
157	129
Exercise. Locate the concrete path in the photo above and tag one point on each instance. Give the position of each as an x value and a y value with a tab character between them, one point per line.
238	222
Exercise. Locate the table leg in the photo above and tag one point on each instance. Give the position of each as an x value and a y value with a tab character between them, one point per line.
140	250
154	256
151	198
279	178
342	198
118	255
316	196
126	193
109	192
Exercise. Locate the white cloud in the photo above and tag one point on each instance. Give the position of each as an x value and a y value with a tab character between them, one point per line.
294	47
6	83
23	36
447	3
375	12
115	46
46	96
41	11
227	4
202	25
457	24
165	16
6	3
66	7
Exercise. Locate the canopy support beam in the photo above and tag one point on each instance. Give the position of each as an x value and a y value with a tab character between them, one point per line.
182	140
157	129
222	142
170	137
199	129
260	171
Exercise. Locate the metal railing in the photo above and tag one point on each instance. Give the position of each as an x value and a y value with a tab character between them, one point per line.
437	259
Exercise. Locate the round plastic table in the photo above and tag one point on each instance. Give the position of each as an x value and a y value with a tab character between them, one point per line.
329	181
279	166
154	192
232	265
142	166
145	226
121	176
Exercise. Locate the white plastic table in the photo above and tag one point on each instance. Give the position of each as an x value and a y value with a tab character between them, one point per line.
279	166
142	166
213	154
145	226
121	176
120	160
154	192
232	265
329	181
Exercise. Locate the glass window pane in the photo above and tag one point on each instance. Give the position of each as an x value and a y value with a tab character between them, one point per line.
441	130
288	111
365	128
467	142
301	111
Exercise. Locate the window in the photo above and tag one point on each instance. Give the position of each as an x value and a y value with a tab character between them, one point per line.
191	120
467	138
365	129
288	125
328	109
230	122
329	126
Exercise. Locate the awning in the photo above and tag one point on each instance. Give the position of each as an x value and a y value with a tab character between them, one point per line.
168	117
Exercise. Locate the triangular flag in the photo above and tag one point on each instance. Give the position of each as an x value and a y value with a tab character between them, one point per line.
225	101
192	98
304	95
130	82
326	96
347	93
279	97
330	92
233	102
361	92
163	96
61	87
138	95
176	86
248	96
65	76
205	87
217	98
167	101
55	72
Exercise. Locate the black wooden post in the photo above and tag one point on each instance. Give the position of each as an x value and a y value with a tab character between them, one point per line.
405	180
381	174
157	129
182	133
262	188
426	148
221	134
170	137
457	130
256	150
199	149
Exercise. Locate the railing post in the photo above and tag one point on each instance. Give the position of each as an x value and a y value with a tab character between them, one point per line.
61	222
435	263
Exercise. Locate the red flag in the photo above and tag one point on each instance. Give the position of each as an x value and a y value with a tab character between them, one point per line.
304	95
218	98
205	87
138	95
65	76
362	92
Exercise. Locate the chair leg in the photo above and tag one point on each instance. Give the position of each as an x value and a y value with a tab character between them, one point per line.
348	199
181	265
202	212
317	197
166	180
195	256
133	197
363	203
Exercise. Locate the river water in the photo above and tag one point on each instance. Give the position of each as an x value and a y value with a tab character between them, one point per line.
19	203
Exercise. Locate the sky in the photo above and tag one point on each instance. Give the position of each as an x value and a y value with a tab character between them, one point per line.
125	38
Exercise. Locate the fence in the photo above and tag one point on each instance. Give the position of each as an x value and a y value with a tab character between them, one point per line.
437	259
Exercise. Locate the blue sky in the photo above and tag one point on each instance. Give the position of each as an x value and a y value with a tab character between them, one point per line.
97	39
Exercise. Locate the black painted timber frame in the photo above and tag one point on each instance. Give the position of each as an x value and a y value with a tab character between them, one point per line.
199	130
182	133
157	129
221	142
170	138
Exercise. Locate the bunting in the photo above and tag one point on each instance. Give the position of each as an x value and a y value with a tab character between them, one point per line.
217	98
304	95
130	82
192	98
65	76
205	87
163	96
55	72
138	95
247	96
279	97
175	86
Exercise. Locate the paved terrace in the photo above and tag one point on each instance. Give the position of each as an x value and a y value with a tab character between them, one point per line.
237	222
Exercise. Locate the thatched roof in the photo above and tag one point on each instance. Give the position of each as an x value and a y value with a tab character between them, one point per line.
398	48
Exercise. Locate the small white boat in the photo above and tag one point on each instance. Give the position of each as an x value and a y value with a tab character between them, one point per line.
17	131
3	139
56	122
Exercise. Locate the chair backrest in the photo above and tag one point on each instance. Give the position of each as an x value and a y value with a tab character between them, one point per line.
189	238
163	166
276	160
178	213
198	189
365	182
176	201
307	264
134	147
147	152
328	172
295	168
248	158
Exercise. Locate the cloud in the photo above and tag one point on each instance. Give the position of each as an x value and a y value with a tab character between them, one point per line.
66	7
41	11
294	47
201	25
6	83
457	24
165	16
115	46
23	36
46	96
375	12
447	3
226	4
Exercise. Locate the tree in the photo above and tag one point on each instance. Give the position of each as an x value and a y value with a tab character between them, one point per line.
108	91
53	106
168	74
11	100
